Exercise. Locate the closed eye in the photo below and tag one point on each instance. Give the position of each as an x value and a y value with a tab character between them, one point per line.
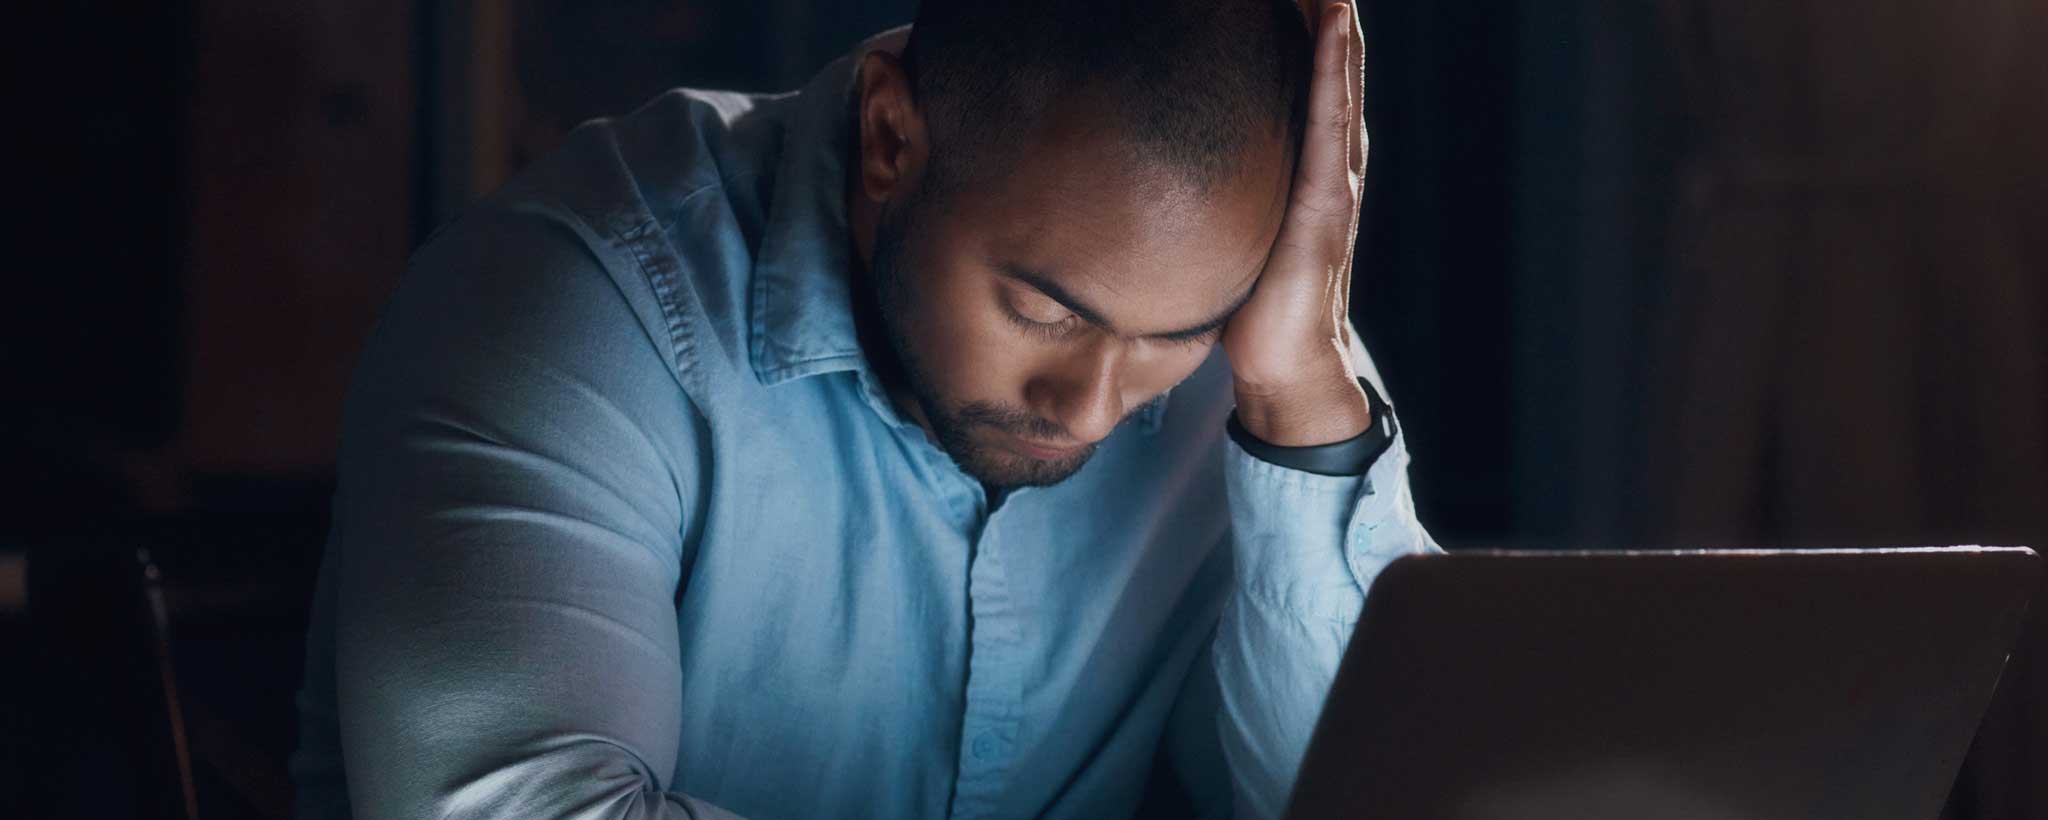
1038	313
1050	330
1036	304
1202	338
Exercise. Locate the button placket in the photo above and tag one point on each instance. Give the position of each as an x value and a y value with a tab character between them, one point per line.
994	689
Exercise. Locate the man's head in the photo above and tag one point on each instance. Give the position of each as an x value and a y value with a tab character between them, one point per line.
1060	204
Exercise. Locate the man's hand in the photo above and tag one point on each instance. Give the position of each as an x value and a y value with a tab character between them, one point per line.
1290	346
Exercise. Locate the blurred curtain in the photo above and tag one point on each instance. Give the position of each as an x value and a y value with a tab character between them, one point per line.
508	80
1854	347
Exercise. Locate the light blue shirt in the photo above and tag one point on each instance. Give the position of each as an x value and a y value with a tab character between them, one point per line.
625	527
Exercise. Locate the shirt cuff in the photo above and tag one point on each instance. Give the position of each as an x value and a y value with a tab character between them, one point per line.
1309	545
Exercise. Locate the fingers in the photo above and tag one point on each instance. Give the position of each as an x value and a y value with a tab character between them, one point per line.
1341	22
1325	179
1354	123
1356	86
1354	128
1309	270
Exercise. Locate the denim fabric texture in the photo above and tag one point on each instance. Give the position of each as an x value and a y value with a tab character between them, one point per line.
626	527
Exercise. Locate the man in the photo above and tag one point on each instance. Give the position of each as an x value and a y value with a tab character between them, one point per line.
862	452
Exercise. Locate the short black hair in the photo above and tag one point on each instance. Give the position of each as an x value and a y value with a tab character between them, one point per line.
1191	83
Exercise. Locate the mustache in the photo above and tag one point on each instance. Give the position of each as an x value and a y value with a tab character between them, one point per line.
1023	423
1011	421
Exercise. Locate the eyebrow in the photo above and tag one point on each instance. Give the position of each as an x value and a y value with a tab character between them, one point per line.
1088	314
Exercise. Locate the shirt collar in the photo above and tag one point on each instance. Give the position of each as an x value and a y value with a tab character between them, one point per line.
802	299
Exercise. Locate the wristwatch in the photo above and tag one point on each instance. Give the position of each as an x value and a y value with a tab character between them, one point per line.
1352	456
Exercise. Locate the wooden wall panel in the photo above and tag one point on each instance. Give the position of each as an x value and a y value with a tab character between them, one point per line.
301	181
1860	311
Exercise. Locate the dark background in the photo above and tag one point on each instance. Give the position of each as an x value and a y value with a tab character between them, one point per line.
1655	273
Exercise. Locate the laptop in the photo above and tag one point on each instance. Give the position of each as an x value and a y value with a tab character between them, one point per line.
1689	685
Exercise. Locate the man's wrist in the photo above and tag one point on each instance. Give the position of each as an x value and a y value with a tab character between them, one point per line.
1346	457
1306	416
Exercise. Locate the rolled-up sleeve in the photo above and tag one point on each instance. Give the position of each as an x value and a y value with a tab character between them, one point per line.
1305	548
513	509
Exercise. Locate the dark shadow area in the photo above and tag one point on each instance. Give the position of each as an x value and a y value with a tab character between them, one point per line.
1664	274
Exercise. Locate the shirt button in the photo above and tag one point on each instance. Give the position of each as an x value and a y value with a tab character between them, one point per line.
985	746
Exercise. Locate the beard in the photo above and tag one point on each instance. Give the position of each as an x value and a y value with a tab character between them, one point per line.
954	424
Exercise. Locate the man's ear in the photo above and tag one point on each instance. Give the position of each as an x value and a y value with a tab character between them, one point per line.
894	143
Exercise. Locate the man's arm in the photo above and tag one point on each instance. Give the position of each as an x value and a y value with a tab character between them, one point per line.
515	487
1291	346
1305	547
1304	550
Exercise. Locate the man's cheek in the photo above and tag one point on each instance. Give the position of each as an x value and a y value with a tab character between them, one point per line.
1159	375
949	342
983	358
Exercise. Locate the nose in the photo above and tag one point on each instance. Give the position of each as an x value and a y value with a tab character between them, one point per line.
1081	393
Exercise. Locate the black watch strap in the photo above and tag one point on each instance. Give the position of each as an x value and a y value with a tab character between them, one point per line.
1350	457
